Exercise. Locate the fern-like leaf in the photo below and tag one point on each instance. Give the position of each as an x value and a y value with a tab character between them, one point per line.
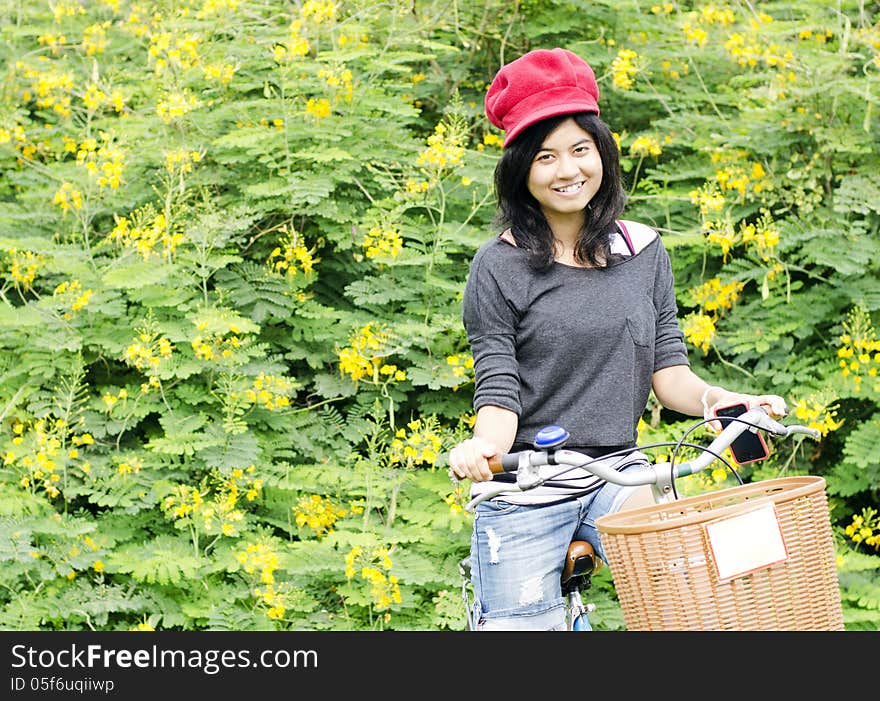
859	471
92	605
229	451
136	274
15	501
165	560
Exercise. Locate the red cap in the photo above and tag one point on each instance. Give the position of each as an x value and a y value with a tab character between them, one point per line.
540	84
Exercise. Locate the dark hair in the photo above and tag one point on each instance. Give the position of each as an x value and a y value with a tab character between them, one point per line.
520	211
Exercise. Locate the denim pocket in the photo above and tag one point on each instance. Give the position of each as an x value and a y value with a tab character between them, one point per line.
493	507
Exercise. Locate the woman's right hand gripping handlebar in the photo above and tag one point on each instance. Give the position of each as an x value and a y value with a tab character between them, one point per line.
470	459
494	432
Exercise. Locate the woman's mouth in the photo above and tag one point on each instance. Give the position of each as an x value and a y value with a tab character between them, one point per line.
569	189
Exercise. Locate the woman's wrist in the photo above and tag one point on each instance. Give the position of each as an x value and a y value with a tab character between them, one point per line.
704	399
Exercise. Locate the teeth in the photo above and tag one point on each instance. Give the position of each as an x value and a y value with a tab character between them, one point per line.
570	188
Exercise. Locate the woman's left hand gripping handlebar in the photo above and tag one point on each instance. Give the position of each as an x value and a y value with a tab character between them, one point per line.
773	404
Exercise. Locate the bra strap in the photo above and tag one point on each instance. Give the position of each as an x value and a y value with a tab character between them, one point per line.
626	236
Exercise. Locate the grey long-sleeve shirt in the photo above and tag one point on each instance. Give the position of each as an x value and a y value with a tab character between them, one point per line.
575	347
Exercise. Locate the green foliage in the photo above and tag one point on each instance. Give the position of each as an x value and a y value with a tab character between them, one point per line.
234	237
859	471
165	560
858	574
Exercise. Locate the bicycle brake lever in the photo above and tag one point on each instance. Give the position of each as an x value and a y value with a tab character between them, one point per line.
527	475
770	425
762	420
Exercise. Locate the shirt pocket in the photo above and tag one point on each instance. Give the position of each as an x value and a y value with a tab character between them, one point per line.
641	325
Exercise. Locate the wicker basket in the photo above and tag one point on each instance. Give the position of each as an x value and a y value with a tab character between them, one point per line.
666	561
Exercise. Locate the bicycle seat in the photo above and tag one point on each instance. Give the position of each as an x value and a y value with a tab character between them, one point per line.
580	561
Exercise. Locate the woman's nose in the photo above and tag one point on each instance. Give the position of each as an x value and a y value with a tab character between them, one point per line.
566	166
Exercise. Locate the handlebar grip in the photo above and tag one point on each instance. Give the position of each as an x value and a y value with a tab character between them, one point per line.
504	463
812	432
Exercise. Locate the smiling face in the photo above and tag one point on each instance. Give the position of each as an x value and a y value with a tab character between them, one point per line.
566	173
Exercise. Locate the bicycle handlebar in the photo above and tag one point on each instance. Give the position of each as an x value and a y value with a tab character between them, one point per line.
504	463
660	476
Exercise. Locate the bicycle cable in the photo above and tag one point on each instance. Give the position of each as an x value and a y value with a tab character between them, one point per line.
677	445
627	451
681	443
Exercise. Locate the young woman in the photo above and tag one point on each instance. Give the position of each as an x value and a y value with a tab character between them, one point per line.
572	320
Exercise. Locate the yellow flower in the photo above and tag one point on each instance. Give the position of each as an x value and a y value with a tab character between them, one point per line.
319	11
67	196
176	105
858	353
645	146
317	513
365	353
292	256
708	199
382	243
713	296
445	147
817	411
695	34
699	329
624	68
24	267
318	108
420	446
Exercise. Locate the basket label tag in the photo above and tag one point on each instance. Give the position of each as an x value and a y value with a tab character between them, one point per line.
746	542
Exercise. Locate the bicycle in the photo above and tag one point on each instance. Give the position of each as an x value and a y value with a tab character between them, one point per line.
581	561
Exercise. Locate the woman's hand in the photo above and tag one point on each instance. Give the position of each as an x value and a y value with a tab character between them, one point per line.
469	459
772	403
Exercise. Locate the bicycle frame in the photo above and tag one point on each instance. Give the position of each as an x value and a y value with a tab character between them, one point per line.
660	476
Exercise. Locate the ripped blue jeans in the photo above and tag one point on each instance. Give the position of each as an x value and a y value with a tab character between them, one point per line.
517	552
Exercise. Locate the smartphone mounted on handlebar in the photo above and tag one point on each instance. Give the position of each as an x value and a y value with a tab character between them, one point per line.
749	446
